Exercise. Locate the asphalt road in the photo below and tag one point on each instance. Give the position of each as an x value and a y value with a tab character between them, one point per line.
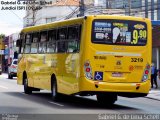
39	104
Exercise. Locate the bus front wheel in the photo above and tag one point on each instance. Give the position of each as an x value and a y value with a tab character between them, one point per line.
27	89
107	99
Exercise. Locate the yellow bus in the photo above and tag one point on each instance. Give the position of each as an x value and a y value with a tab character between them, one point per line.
102	55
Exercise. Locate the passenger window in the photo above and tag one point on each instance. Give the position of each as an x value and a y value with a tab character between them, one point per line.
52	35
27	48
72	46
22	41
35	37
43	36
42	47
73	41
62	34
73	33
28	38
61	46
51	47
27	45
34	47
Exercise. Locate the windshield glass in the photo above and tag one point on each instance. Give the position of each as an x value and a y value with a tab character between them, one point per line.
119	32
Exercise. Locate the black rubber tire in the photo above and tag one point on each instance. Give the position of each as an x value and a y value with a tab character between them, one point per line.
106	99
27	89
54	92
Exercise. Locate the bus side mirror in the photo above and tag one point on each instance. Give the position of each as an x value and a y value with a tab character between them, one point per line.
18	43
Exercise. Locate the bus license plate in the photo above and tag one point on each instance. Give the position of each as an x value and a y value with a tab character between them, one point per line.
117	74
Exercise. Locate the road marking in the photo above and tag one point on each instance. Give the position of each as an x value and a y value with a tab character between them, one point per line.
23	93
3	87
56	103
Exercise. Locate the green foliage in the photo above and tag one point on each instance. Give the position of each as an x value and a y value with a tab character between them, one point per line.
2	36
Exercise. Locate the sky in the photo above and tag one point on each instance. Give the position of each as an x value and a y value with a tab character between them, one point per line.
11	21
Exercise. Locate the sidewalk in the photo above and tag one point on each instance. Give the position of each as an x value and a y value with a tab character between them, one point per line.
155	93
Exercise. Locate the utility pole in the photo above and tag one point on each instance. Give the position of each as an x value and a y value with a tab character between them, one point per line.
33	17
81	8
146	8
158	9
152	9
129	7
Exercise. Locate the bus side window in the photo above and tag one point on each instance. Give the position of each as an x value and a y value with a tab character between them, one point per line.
43	36
62	33
35	38
72	47
43	44
73	32
51	44
28	38
42	47
52	35
22	40
73	39
61	43
27	47
34	45
51	47
61	46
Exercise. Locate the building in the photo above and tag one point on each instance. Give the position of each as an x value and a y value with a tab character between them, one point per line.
53	11
156	43
1	54
64	9
12	46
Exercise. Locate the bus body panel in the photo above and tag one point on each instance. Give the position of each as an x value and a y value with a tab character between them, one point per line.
39	69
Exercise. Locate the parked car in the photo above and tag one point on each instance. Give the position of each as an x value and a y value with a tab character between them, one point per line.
12	69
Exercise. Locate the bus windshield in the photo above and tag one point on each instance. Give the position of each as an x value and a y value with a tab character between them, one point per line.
119	32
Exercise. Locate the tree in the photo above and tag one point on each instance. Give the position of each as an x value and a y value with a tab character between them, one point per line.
2	36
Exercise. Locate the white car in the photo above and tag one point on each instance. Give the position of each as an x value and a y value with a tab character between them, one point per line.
12	69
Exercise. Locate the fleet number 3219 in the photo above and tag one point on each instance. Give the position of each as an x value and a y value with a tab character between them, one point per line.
136	59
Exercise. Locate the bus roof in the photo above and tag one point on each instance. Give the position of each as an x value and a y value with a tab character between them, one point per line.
52	25
77	21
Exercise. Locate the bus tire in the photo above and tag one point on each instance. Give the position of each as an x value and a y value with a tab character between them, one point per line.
54	92
27	89
106	99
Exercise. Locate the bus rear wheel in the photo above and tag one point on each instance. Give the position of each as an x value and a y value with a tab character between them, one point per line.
55	94
27	89
106	99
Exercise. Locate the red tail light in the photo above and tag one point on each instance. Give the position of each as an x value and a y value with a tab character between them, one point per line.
146	73
88	70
